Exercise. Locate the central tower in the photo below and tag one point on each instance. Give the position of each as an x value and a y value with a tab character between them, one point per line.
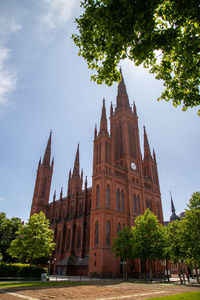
124	184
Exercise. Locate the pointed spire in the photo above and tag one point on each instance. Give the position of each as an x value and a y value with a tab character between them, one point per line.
134	108
39	164
61	193
69	180
47	154
154	155
103	123
76	163
95	131
111	109
173	215
85	182
122	97
82	175
147	152
54	196
172	205
52	163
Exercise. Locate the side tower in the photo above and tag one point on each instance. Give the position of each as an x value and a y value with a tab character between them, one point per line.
43	181
118	188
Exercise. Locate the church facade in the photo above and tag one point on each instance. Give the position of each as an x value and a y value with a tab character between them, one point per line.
124	184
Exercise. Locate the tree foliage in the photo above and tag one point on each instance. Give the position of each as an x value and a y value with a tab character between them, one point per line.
163	35
144	241
122	245
191	231
174	240
8	228
148	240
34	240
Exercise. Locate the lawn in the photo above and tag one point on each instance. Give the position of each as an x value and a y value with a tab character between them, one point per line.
185	296
46	283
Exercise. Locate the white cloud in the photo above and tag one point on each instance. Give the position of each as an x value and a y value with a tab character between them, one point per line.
8	78
57	13
8	28
1	199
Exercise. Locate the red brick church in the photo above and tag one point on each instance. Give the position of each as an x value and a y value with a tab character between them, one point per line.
124	184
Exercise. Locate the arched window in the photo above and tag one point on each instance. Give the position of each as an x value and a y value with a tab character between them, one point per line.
97	157
58	241
120	141
97	196
99	152
158	211
118	199
108	196
96	233
108	233
150	205
63	239
44	188
134	204
68	239
79	238
117	143
109	153
71	211
106	153
138	204
80	209
122	200
118	227
147	203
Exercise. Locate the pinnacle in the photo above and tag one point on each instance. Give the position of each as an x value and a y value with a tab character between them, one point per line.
122	97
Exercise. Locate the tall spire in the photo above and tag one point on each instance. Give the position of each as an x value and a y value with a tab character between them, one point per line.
122	97
173	215
47	154
76	163
154	155
172	205
147	152
103	123
54	196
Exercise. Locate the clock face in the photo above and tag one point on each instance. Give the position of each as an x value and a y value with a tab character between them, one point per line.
133	166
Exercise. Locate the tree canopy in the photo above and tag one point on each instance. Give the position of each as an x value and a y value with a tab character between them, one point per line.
148	240
34	240
8	228
162	35
144	241
191	232
122	245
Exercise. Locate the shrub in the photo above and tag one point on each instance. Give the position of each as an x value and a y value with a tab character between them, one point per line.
20	270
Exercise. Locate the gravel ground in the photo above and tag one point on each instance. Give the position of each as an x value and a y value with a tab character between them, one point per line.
97	291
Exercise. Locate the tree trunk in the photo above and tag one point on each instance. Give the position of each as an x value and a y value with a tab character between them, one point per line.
167	268
179	270
191	270
197	276
183	273
150	270
125	270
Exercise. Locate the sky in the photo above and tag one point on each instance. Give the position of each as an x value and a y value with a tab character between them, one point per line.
45	85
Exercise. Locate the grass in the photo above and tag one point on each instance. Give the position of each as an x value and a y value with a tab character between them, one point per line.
184	296
41	283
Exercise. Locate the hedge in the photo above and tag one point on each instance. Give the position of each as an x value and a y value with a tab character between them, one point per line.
21	270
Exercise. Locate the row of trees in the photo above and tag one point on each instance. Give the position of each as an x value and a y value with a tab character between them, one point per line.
31	242
8	228
178	242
